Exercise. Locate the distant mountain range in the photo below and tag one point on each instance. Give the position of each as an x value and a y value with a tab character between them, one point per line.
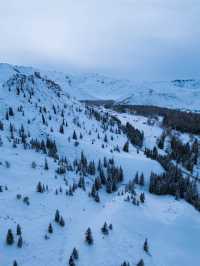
176	94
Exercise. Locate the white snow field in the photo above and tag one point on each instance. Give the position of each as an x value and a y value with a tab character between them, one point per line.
172	227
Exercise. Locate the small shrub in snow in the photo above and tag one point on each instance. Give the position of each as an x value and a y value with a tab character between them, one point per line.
19	196
33	165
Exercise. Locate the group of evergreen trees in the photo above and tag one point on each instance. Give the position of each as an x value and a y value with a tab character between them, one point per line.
172	182
74	256
106	172
135	136
10	239
185	122
59	219
47	147
41	188
88	236
185	154
105	228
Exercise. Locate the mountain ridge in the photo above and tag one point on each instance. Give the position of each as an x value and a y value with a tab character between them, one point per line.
177	94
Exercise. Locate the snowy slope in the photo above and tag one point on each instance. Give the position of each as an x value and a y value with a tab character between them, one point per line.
177	94
172	227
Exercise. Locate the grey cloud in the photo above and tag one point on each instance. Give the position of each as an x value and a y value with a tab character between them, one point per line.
146	39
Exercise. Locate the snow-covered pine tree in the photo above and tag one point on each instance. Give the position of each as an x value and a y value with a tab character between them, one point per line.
9	237
88	236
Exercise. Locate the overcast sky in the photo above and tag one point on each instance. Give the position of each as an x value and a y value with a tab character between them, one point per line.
138	39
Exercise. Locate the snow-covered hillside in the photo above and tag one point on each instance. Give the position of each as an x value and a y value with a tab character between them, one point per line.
58	154
177	94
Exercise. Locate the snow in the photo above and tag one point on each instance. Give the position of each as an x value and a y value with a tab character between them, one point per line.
177	94
172	227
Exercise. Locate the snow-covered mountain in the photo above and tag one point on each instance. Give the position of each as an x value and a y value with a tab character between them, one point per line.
177	94
58	154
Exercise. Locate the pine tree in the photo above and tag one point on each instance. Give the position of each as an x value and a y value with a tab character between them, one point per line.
136	179
126	147
88	236
43	120
10	111
15	263
141	181
20	242
10	237
97	199
93	191
74	135
19	231
57	216
61	129
62	222
75	254
142	197
46	167
146	247
140	263
50	229
110	226
125	263
7	116
71	261
1	126
105	138
39	187
104	229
